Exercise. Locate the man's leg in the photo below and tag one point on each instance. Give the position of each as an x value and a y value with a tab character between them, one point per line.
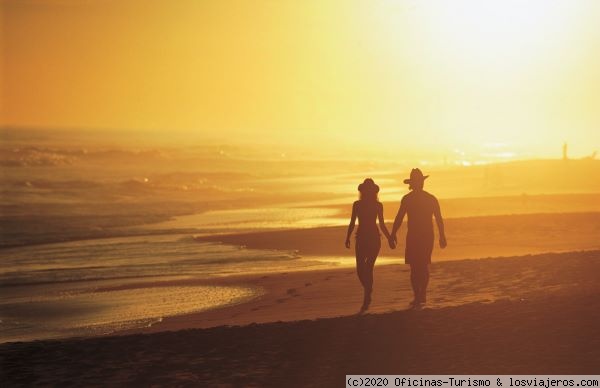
414	282
424	282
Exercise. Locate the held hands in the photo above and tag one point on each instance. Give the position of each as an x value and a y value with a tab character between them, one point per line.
392	242
443	242
347	243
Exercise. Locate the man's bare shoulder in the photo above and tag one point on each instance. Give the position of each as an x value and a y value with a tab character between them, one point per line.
407	196
430	196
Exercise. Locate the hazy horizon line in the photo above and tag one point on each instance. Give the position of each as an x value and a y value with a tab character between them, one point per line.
148	139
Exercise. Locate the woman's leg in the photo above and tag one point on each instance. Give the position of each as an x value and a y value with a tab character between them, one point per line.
363	270
370	262
374	248
360	263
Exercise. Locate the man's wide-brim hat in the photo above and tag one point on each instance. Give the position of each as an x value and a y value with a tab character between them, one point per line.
368	186
416	176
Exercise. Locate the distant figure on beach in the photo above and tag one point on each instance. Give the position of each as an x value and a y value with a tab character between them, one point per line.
420	207
368	209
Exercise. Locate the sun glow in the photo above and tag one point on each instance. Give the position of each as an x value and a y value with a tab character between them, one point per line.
493	71
416	75
506	35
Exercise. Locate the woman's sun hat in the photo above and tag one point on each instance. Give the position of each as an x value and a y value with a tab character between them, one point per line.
368	186
416	176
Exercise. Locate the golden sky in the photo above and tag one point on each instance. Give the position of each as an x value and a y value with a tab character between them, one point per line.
414	73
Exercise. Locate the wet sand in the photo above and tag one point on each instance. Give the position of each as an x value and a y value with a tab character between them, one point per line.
530	314
468	237
331	293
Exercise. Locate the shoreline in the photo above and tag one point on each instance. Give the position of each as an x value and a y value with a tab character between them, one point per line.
534	314
454	212
322	282
308	293
328	293
469	237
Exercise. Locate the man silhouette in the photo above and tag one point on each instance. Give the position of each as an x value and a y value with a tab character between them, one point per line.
420	207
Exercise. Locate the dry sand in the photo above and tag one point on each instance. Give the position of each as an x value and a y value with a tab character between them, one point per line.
528	315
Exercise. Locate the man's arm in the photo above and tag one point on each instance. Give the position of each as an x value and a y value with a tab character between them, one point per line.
351	226
440	223
399	219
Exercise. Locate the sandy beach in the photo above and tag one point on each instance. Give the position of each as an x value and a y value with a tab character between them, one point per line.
528	314
468	237
178	179
511	294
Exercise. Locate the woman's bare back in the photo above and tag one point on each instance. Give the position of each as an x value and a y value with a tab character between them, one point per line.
367	212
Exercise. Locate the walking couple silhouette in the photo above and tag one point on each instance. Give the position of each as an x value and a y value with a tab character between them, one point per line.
419	206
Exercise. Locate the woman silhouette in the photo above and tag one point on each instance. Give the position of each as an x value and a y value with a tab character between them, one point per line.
368	242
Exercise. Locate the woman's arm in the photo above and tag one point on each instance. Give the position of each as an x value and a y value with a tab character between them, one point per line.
382	222
351	226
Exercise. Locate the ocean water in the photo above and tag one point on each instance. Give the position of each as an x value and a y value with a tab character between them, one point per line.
240	220
83	287
59	186
132	257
